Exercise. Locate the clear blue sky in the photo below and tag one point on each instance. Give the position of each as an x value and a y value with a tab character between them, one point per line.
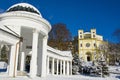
104	15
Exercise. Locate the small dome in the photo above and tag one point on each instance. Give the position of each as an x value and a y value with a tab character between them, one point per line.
87	33
24	7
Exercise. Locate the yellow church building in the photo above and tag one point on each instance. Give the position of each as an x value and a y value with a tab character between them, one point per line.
90	45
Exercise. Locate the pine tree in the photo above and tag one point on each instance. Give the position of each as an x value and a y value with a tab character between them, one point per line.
4	54
76	64
102	67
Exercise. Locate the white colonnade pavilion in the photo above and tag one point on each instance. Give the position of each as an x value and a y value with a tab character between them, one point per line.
23	28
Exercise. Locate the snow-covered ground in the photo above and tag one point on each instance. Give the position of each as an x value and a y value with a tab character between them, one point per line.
50	77
4	76
114	68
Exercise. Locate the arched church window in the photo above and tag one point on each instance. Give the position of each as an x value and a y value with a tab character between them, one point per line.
80	36
94	36
80	45
94	45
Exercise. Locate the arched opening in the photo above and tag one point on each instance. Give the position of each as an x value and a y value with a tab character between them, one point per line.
88	54
88	58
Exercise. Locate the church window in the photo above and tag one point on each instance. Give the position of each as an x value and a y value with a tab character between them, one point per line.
80	36
94	36
94	45
87	44
80	45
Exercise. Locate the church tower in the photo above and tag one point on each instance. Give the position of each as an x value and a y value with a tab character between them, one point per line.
93	33
80	34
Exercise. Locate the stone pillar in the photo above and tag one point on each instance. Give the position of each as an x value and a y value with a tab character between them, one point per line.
33	63
60	67
13	60
68	68
57	66
22	64
63	67
47	64
53	66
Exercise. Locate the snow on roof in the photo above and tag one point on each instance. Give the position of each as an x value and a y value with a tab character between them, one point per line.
62	53
23	7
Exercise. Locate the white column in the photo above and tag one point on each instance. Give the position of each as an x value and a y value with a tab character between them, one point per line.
47	64
0	51
22	64
63	67
57	66
68	68
13	60
44	55
53	66
60	67
33	63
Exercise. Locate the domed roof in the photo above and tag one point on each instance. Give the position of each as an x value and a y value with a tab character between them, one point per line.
24	7
87	33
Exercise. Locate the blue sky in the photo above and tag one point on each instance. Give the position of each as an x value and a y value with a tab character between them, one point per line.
104	15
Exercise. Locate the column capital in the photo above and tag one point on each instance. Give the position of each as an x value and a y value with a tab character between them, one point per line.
45	37
35	30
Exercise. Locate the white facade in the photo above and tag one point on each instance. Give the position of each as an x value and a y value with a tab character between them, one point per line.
26	32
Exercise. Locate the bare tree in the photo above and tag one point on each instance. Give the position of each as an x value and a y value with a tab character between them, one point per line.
59	37
114	52
75	44
114	48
